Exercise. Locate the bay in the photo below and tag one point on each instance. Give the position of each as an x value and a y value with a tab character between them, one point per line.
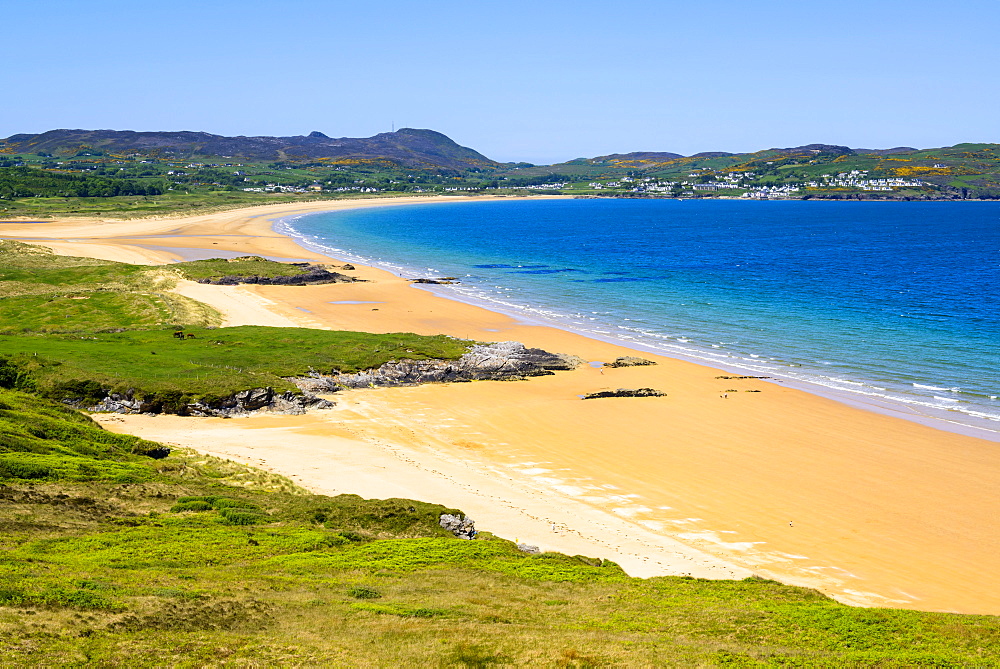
895	301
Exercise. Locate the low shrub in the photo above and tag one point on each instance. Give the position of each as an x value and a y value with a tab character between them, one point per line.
194	505
58	597
235	516
39	466
232	511
363	592
401	610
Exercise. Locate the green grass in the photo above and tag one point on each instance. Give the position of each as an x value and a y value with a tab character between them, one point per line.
142	573
44	292
137	206
30	426
214	364
26	268
78	329
98	311
215	268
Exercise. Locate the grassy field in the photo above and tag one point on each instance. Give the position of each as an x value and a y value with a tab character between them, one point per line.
78	328
112	558
215	363
44	292
174	203
215	268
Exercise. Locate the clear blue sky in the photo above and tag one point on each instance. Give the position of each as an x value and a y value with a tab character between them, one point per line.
541	81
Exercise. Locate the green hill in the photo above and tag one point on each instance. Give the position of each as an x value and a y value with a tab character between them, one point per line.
817	170
407	147
126	174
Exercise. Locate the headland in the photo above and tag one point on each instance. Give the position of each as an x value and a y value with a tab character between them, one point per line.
870	509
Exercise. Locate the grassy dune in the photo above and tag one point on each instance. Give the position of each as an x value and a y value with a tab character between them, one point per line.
78	328
44	292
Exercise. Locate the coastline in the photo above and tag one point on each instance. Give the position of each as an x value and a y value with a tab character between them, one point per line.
847	386
868	508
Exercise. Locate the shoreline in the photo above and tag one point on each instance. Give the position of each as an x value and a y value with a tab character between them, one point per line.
870	509
915	410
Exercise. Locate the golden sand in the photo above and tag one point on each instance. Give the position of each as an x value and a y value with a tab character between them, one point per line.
870	509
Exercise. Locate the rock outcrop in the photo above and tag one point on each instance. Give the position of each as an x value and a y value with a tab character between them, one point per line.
238	404
503	361
500	361
626	392
443	280
462	527
629	361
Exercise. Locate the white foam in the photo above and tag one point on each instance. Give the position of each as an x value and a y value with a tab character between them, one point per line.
937	388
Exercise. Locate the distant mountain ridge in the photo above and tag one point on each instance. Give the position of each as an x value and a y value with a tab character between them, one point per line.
408	147
665	156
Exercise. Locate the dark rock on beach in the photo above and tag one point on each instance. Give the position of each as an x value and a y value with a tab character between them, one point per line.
445	280
238	404
629	361
625	392
500	361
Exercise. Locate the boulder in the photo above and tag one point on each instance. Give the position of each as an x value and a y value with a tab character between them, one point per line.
462	527
625	392
443	280
629	361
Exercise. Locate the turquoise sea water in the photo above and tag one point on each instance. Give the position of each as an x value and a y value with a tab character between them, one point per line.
884	302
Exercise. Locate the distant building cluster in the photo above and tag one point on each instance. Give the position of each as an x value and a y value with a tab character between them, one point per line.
857	179
551	186
770	192
314	187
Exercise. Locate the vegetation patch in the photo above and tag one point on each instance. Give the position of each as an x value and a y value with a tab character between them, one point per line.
153	572
38	466
30	426
42	292
212	365
232	511
254	269
401	610
57	597
362	592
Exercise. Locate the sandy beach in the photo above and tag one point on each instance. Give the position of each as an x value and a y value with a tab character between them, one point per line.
868	508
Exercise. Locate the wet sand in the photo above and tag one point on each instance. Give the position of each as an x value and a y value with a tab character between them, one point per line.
868	508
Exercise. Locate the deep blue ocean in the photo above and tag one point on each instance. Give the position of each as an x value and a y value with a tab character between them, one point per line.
889	301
